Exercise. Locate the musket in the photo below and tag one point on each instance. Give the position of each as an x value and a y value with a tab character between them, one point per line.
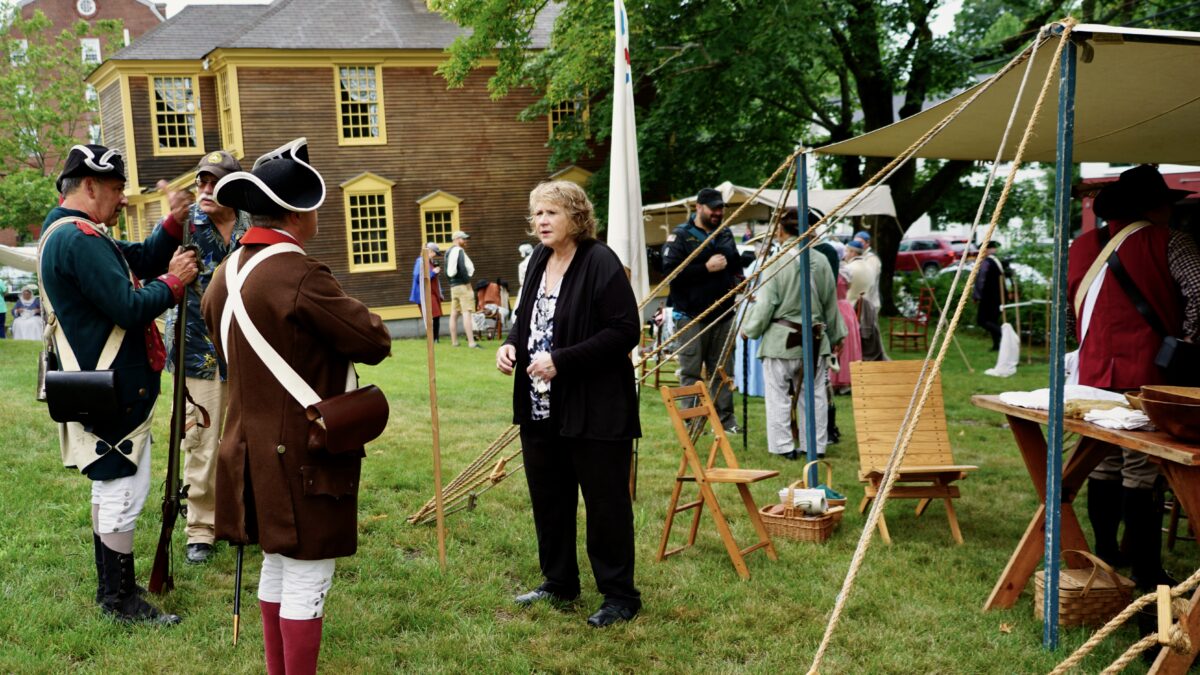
161	579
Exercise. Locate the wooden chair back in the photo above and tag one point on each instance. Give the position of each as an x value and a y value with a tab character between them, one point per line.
881	391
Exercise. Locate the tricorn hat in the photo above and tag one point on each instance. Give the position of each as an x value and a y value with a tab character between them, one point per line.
281	181
91	160
1135	192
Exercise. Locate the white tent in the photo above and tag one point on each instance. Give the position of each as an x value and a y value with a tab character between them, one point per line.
1137	99
22	258
661	218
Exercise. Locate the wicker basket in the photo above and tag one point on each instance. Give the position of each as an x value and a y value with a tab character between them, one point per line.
1085	596
837	516
782	520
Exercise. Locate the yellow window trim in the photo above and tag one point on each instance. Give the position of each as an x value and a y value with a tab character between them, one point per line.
175	152
574	174
581	107
439	200
367	183
381	139
130	155
229	98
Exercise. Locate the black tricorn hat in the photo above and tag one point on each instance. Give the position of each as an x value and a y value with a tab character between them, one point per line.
281	181
1137	191
91	160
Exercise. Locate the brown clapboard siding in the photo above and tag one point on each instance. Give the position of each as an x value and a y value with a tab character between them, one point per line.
112	122
151	169
458	141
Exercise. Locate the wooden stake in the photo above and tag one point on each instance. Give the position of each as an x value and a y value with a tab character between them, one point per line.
427	318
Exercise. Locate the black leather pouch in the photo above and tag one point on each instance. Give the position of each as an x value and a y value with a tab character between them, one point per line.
1179	361
87	397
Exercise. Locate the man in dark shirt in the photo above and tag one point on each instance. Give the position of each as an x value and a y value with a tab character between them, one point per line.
216	231
989	294
698	286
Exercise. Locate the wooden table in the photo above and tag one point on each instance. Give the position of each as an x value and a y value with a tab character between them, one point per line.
1180	464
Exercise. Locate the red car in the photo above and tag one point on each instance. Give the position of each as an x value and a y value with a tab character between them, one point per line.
928	254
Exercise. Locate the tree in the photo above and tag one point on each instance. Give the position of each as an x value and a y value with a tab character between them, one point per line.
726	89
45	107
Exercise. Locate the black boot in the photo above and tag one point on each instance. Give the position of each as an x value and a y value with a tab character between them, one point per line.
1143	521
1104	510
120	598
96	548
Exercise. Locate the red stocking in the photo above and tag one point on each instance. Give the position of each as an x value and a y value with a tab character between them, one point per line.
301	645
272	638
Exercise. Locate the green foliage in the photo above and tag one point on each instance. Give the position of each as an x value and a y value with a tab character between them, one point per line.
24	196
43	98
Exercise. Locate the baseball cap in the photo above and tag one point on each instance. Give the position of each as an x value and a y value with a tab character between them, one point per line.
710	198
459	234
219	164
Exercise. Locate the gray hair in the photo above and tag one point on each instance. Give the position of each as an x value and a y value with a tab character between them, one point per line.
71	184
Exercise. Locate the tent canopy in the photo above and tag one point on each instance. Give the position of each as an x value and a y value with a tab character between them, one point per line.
661	218
20	257
1137	100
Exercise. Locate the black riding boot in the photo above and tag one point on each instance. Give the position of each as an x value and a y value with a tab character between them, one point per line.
120	598
1143	521
1104	510
96	548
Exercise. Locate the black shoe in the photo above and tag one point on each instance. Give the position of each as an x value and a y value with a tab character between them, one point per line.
733	430
539	594
793	455
198	554
120	598
608	614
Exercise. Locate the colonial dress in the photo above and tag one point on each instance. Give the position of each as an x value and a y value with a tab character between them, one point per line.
27	319
852	346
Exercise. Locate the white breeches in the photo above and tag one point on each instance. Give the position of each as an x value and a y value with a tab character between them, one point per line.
121	500
299	586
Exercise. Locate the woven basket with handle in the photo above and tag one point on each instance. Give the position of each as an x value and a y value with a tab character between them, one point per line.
783	520
1087	596
837	516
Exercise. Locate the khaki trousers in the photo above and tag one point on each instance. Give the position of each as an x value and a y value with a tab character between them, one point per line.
200	456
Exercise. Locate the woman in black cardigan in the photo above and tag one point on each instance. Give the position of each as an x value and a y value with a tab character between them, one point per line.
575	399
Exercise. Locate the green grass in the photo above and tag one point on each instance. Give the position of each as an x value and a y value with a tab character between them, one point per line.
916	607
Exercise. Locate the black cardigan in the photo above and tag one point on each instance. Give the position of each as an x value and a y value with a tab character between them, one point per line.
596	326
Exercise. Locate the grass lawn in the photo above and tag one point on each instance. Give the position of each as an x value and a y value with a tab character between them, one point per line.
915	609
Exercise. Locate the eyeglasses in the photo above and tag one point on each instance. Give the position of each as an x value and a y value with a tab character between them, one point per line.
201	181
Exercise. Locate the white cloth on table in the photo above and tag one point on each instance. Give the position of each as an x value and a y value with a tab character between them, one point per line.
1117	418
1039	399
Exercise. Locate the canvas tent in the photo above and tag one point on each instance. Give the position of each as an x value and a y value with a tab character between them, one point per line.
22	258
661	218
1137	99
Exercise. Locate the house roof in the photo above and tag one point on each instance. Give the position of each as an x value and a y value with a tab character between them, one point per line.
150	4
306	24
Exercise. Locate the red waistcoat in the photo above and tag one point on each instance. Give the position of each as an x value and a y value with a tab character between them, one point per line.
1120	346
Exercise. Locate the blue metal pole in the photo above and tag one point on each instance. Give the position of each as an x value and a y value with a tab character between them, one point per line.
1058	327
806	300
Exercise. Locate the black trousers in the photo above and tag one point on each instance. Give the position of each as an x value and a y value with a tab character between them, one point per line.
557	469
989	320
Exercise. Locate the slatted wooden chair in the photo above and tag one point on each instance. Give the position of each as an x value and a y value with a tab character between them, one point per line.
881	391
706	473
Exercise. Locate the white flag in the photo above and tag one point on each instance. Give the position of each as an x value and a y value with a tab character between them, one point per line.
626	235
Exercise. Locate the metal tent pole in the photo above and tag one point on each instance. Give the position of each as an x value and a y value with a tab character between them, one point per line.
809	358
1058	326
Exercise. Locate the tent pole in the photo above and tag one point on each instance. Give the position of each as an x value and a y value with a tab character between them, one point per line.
1058	326
806	332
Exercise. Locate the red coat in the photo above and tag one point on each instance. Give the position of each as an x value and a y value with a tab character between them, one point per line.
269	487
1120	346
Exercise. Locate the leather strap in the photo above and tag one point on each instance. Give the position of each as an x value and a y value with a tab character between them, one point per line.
1135	295
1101	260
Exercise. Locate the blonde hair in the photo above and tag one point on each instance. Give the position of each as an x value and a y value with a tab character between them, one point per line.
570	198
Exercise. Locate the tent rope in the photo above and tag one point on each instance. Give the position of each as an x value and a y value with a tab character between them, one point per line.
891	473
1179	639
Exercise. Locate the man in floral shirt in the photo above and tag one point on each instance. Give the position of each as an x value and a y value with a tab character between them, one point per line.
216	231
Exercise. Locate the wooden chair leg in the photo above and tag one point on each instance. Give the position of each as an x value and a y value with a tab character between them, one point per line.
666	535
735	554
691	540
953	518
1173	525
883	531
922	505
862	506
756	521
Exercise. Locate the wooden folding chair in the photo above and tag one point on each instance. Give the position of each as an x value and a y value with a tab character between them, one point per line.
913	329
705	474
881	391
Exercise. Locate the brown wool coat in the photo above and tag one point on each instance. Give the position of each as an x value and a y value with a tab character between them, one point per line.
270	488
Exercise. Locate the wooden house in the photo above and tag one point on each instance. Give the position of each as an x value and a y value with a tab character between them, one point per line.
405	159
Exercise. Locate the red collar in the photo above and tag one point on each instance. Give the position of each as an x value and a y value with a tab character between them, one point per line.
267	236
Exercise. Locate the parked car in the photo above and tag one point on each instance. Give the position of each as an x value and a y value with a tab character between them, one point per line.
928	254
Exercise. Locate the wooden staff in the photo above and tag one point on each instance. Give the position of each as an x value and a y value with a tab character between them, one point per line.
427	318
